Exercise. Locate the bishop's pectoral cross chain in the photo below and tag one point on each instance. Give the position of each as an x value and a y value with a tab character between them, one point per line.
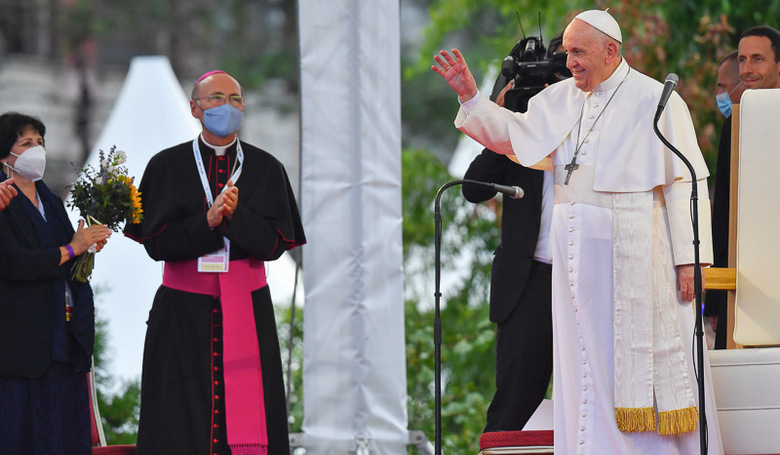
573	166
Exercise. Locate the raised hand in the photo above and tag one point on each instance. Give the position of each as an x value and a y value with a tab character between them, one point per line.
7	192
454	70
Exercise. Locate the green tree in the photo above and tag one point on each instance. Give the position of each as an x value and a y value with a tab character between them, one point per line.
118	404
295	396
468	338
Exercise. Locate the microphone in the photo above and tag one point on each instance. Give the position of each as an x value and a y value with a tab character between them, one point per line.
669	86
515	192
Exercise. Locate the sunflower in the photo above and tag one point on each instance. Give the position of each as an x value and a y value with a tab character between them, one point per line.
135	197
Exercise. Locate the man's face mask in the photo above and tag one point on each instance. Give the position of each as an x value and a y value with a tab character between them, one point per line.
223	120
723	100
31	164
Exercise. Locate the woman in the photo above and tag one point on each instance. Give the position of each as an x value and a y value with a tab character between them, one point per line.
47	322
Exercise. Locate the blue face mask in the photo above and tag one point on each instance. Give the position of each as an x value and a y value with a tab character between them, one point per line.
723	101
223	120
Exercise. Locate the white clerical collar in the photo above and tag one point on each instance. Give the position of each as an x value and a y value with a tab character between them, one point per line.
615	79
219	150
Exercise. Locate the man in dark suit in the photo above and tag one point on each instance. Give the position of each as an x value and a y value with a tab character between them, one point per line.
521	279
520	293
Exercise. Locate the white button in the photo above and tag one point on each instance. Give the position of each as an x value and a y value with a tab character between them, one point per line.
571	229
571	243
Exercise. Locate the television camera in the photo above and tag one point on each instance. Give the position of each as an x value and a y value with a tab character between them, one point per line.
532	67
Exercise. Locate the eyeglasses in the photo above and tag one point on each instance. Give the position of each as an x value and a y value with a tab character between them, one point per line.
219	99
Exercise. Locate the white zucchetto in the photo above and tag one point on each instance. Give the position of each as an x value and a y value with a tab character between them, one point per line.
602	21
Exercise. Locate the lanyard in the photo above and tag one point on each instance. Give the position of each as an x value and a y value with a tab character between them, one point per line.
202	170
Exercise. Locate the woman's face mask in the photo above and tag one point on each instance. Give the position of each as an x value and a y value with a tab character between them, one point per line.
31	164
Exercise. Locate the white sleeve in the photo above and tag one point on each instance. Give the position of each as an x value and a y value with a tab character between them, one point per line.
678	208
485	122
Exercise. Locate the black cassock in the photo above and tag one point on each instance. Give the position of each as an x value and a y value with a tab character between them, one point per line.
182	406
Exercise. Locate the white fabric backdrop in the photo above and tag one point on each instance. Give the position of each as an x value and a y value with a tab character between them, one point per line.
354	372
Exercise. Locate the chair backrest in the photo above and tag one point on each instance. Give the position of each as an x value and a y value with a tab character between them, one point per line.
757	307
98	438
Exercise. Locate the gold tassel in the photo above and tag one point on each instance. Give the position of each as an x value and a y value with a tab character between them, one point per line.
678	421
635	419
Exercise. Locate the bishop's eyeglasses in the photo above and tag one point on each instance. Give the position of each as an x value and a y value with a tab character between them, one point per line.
218	99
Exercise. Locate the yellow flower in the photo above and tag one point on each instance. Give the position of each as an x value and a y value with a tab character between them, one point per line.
135	197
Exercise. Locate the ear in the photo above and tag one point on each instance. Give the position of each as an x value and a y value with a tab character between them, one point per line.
612	52
194	108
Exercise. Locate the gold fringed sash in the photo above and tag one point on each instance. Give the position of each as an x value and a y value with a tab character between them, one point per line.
635	419
677	422
650	359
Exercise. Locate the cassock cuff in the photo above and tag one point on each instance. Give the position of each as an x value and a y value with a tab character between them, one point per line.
469	105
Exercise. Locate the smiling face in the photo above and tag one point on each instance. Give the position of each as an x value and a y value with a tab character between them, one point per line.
592	55
757	65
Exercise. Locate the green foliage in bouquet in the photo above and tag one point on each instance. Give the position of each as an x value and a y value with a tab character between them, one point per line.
106	195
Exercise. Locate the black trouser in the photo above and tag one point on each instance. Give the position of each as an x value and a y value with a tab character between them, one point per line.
524	355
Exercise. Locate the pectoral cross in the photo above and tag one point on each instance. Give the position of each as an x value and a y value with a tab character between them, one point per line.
571	167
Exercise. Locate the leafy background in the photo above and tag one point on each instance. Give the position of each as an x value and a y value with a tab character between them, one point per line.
688	37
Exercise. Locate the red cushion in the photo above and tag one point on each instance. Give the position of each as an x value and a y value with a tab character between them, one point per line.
516	439
114	450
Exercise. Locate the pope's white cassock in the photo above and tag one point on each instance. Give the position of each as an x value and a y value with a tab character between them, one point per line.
623	338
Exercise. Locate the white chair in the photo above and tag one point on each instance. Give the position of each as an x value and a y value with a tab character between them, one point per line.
746	380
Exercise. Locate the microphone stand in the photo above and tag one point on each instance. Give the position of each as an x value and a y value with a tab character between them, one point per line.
437	297
697	283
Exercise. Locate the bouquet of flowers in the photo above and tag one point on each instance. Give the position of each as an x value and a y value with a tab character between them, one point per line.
104	196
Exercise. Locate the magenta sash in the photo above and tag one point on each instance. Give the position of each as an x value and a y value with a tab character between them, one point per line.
244	406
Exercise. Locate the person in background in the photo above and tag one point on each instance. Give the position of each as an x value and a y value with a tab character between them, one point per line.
757	64
212	372
521	276
47	320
